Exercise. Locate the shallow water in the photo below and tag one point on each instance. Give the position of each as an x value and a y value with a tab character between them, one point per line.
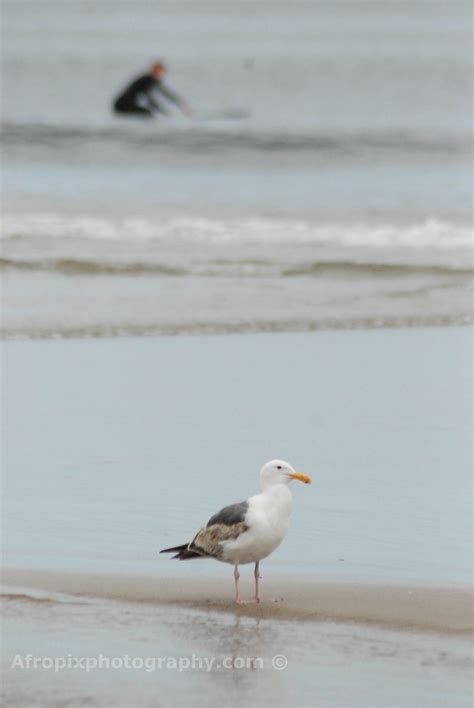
188	656
133	444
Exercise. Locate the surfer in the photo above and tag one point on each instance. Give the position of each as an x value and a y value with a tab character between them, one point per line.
139	97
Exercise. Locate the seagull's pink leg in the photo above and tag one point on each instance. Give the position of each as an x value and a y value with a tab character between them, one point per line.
237	585
257	577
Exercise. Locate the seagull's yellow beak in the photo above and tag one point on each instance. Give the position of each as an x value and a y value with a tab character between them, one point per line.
301	477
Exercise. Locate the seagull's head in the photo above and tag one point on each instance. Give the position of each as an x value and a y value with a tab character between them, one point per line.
280	472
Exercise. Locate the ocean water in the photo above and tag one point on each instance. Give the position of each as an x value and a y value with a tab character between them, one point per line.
324	179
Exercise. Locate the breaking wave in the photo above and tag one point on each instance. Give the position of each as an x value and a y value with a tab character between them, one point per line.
431	233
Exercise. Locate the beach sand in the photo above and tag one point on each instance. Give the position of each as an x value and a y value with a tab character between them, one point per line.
432	609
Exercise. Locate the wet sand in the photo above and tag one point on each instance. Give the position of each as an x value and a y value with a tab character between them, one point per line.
198	650
403	607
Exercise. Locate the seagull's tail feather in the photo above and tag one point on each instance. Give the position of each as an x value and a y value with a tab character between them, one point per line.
175	548
187	555
183	552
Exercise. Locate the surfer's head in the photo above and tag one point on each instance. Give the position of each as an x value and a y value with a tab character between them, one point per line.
158	70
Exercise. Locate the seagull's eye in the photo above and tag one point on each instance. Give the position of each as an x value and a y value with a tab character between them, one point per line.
278	467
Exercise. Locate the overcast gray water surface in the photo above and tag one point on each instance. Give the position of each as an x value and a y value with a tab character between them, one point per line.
324	179
117	449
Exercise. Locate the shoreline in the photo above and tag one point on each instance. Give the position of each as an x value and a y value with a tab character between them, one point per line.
236	329
402	607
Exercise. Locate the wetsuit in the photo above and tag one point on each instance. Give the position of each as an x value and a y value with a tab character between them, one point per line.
137	99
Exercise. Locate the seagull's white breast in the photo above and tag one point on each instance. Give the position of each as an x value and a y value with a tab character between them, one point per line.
267	524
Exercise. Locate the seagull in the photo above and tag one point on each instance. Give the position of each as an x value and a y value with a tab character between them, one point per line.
248	531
